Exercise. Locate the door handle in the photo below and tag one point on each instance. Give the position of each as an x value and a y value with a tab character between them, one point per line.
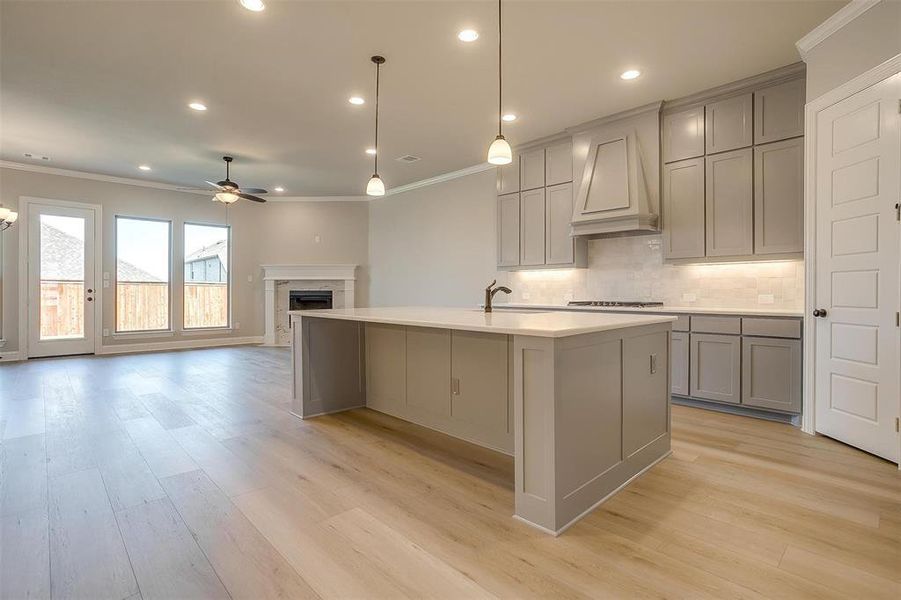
819	312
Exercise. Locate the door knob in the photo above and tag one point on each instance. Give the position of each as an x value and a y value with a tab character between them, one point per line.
819	312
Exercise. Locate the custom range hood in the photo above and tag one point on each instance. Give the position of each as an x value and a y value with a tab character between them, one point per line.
616	163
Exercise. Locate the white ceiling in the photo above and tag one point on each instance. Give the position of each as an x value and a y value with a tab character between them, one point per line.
103	86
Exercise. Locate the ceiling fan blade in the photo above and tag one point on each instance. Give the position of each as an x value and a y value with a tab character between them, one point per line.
215	185
253	190
249	197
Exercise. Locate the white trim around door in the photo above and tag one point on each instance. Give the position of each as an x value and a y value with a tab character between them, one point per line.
27	209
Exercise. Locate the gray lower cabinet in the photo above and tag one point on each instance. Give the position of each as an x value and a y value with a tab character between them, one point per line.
779	197
683	209
481	400
771	373
730	203
428	372
715	362
679	359
532	232
508	230
386	381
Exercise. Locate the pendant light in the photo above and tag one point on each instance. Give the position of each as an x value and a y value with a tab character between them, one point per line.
376	187
499	152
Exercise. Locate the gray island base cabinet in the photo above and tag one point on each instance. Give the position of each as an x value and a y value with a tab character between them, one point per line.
583	414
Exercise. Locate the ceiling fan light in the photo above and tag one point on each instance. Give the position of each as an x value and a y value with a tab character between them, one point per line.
225	198
4	212
375	187
12	217
499	152
253	5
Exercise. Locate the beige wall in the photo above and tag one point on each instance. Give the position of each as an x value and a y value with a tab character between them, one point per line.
269	233
870	39
434	245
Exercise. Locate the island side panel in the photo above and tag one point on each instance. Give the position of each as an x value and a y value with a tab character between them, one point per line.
328	366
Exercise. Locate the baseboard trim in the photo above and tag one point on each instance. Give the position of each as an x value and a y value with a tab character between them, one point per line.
9	356
743	411
180	345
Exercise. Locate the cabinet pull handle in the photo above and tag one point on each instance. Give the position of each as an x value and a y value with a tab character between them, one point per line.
653	364
455	386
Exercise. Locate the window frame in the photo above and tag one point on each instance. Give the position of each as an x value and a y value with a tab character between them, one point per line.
228	277
169	284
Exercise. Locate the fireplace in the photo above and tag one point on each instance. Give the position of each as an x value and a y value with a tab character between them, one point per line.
309	300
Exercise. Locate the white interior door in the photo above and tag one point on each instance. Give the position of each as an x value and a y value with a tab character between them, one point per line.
858	181
61	291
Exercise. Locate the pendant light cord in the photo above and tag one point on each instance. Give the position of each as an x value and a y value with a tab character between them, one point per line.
378	69
500	87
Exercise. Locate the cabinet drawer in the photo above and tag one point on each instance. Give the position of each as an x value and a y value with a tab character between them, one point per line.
681	323
783	328
716	325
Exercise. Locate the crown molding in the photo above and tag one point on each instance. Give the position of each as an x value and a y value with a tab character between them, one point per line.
5	164
835	23
317	199
440	178
625	114
780	75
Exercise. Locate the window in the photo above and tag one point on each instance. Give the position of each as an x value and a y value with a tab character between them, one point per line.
142	274
206	276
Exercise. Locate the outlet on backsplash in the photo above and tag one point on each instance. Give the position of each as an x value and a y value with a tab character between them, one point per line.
689	298
766	299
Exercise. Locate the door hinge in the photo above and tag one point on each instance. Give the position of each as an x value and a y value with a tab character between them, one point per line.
898	424
898	319
898	211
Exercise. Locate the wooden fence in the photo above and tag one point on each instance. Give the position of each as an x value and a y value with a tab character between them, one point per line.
140	306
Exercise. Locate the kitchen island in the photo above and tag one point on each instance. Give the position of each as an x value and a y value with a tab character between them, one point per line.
581	400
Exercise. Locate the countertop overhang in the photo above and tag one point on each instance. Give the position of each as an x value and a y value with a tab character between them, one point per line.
552	324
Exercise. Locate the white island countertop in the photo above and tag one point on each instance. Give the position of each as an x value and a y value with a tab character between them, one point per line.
553	324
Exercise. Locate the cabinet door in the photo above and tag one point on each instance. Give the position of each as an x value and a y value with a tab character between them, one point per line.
428	375
779	111
480	399
559	247
771	373
386	350
508	230
729	124
729	201
508	177
779	197
683	134
683	209
680	362
559	163
715	367
531	165
532	215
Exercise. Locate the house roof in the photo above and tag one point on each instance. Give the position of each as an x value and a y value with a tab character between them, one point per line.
219	249
61	258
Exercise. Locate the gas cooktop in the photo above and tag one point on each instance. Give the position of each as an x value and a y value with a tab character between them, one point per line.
620	303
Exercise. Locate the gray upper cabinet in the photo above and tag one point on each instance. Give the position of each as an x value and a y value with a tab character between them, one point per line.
729	201
508	177
779	112
683	209
508	230
559	244
532	219
683	134
779	197
729	124
715	367
771	373
559	163
679	360
531	165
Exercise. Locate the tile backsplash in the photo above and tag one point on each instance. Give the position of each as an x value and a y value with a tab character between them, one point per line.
632	268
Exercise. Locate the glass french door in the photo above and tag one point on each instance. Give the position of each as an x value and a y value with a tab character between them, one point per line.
61	293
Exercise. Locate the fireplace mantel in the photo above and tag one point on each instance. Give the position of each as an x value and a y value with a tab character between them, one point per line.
272	274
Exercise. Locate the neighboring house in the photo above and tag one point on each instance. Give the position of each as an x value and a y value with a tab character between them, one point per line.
62	259
209	264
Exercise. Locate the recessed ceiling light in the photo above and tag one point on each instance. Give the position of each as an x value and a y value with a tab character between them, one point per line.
254	5
370	151
197	106
356	100
509	117
468	35
630	74
279	189
144	167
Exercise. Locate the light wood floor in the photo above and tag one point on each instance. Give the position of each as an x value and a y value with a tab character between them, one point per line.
181	474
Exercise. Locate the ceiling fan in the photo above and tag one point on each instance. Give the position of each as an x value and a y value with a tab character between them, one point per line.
227	191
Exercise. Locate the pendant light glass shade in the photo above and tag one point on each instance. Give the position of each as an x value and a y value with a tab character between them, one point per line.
375	187
499	152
